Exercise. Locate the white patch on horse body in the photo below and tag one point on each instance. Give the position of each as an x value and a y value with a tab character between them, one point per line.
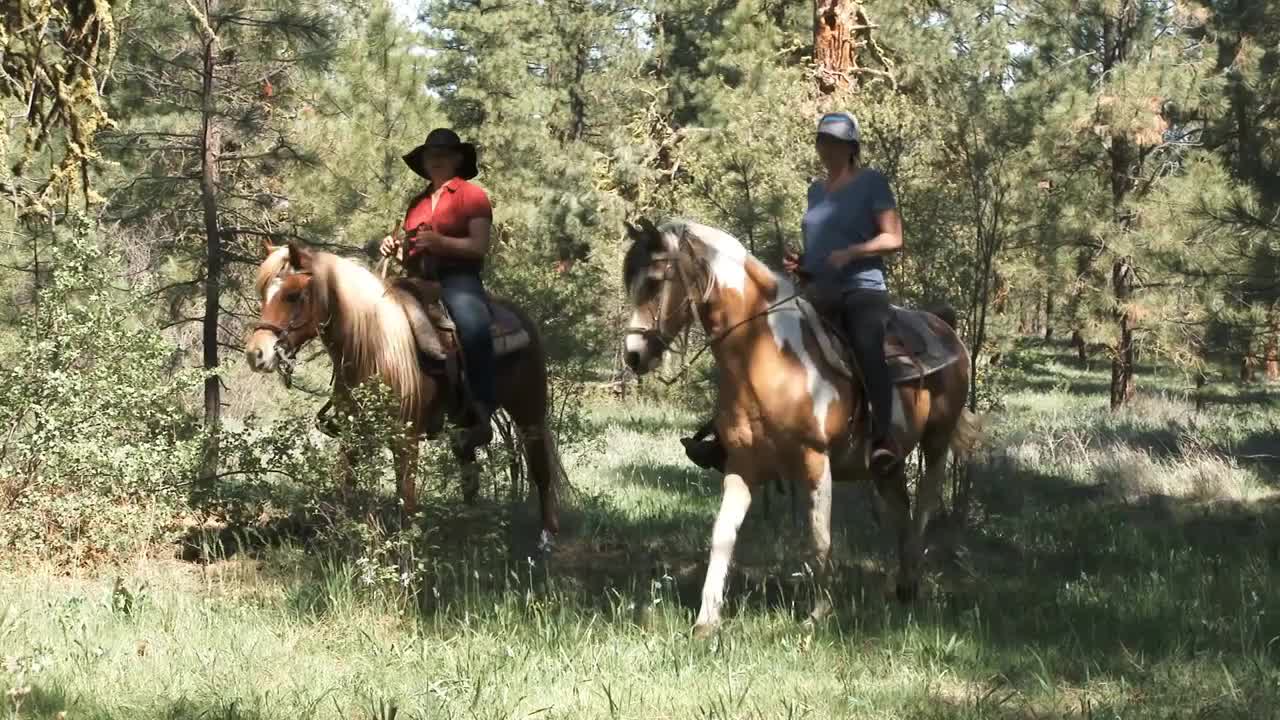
787	325
728	260
899	416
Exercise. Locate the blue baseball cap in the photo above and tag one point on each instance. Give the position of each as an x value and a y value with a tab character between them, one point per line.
841	126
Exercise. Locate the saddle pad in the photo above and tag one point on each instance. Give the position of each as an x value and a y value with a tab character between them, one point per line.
912	348
429	319
508	332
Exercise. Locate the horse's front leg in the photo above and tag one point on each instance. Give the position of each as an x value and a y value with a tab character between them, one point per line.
734	502
469	466
406	452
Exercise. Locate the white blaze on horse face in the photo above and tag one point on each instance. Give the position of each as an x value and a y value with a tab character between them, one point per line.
272	288
637	343
787	325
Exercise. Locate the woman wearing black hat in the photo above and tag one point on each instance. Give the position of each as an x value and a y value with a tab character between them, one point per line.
448	228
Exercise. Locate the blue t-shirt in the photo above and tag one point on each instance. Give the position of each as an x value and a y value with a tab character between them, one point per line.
834	221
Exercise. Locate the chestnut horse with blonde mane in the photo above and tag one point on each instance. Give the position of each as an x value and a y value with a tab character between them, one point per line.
783	408
306	294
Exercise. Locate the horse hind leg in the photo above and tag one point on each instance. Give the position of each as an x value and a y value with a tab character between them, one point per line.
543	460
895	508
818	469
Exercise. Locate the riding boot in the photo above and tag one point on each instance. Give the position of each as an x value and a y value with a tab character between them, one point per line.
705	453
480	432
886	458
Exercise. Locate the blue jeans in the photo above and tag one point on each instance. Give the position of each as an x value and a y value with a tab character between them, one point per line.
468	305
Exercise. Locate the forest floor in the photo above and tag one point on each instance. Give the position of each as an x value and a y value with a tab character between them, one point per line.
1114	565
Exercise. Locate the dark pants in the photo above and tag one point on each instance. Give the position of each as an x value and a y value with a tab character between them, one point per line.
866	312
468	305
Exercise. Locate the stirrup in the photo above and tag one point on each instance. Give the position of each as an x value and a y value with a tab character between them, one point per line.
885	460
706	454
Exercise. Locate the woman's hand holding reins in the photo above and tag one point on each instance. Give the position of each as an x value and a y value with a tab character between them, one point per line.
390	246
791	262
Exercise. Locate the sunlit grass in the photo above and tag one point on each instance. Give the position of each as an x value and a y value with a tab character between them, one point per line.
1117	565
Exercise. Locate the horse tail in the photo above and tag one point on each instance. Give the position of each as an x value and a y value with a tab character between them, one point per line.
531	415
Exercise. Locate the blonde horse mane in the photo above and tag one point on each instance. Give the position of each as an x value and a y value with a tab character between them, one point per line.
368	328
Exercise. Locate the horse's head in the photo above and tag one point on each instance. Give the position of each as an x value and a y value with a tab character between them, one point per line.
655	277
290	315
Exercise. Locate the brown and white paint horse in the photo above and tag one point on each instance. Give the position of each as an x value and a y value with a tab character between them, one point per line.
782	409
306	294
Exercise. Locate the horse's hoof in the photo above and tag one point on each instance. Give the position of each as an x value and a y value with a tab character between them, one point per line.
907	592
703	631
821	611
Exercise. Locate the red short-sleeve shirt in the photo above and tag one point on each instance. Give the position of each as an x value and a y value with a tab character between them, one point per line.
459	204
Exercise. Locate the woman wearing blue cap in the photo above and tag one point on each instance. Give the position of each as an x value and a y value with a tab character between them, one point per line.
850	225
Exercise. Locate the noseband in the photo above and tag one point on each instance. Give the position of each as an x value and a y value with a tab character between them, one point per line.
284	350
670	272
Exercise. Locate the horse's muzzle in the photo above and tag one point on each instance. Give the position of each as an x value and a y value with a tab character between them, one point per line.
641	352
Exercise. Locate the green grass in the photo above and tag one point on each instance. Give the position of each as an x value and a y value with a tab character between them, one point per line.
1116	566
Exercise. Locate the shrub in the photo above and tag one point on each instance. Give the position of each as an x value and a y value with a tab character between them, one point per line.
95	445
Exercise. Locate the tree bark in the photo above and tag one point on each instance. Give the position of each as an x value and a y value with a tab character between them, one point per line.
1122	386
1271	350
1048	316
834	45
1247	367
210	145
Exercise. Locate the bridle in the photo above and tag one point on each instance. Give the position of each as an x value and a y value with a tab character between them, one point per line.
285	352
672	270
675	269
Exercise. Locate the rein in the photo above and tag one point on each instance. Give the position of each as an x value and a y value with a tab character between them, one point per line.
712	342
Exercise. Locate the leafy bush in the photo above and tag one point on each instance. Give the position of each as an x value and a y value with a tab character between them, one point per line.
95	444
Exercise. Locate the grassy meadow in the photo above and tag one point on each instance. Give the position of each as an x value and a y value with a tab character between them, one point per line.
1114	566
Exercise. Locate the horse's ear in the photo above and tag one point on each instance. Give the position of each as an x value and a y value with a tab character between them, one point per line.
648	227
267	247
633	232
299	256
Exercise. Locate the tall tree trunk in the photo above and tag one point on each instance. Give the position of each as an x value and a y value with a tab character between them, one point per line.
1271	351
1247	366
1048	316
210	145
1122	386
834	45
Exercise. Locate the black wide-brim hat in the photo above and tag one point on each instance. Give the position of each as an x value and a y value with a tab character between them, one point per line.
447	139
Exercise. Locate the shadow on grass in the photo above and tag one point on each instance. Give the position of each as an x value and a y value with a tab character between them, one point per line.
682	479
55	703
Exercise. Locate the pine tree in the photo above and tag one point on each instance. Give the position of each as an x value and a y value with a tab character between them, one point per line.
362	117
1125	73
205	98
